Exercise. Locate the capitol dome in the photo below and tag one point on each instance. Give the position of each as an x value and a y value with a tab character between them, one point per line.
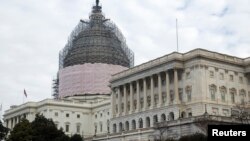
96	40
96	49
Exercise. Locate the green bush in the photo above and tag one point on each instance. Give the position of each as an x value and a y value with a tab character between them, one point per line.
76	137
194	137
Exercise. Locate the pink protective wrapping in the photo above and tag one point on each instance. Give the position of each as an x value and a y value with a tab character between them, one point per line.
86	79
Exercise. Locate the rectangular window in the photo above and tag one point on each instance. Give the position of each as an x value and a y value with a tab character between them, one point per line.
156	84
187	75
163	82
211	74
78	128
66	128
116	108
67	115
135	104
156	99
78	116
231	78
164	97
141	102
225	112
223	96
56	114
149	101
190	114
148	86
122	107
141	88
221	76
232	97
241	80
212	92
215	111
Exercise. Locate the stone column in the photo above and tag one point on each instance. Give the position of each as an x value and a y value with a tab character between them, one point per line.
167	88
119	101
159	90
131	97
152	91
113	102
145	93
138	95
125	99
176	87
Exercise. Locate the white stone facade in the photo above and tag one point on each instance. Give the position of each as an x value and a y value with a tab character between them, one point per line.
172	91
177	86
73	116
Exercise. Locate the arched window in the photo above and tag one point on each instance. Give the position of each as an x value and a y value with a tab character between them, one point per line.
140	123
133	124
171	116
183	114
189	93
155	118
242	96
114	128
223	92
233	94
147	122
120	127
212	89
127	126
163	117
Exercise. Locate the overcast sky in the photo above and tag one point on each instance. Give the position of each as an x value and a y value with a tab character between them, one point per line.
33	31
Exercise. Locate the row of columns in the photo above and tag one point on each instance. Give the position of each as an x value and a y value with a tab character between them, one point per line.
10	123
117	90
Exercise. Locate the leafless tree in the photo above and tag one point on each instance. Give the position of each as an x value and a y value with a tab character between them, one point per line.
241	111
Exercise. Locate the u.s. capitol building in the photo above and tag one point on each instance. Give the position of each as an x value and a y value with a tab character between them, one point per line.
101	95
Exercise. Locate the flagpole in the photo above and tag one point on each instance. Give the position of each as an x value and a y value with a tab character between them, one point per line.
23	98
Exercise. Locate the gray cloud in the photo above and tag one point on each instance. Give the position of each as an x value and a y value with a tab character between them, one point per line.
33	32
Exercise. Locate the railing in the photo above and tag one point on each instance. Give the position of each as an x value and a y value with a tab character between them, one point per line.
197	119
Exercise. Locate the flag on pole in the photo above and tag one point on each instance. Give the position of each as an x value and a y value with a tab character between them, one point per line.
24	92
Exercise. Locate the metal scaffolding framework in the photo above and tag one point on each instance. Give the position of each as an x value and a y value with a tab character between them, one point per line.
97	40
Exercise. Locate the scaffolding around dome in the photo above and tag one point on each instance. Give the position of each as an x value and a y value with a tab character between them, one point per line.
84	26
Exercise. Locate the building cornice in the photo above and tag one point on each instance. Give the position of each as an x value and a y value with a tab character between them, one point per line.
55	102
183	57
